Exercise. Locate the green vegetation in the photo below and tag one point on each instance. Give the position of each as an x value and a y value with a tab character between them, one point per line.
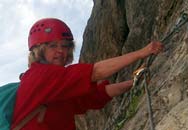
130	110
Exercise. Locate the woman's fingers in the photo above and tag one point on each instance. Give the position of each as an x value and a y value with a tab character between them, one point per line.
156	47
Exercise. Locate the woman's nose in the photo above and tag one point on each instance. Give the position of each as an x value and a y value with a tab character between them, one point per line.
59	49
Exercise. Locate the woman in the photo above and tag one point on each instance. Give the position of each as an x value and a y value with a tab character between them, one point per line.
55	92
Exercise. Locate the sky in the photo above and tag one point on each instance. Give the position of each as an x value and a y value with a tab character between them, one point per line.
17	17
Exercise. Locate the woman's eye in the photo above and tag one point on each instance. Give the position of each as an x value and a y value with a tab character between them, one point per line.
52	45
65	45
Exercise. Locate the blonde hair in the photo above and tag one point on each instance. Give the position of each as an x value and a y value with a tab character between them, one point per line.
37	54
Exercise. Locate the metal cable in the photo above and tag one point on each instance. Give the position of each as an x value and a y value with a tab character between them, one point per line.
144	71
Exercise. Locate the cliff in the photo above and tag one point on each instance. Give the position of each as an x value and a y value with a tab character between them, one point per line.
117	27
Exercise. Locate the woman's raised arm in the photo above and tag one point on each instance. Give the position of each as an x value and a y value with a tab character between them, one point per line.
106	68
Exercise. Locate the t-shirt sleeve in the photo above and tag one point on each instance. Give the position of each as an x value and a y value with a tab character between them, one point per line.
50	83
97	99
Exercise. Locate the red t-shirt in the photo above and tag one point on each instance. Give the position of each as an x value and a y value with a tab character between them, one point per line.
65	91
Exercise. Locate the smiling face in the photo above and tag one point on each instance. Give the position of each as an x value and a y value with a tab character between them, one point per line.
57	52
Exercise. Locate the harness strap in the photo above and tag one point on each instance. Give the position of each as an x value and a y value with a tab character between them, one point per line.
40	110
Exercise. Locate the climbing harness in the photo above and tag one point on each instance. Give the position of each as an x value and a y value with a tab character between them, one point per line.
144	73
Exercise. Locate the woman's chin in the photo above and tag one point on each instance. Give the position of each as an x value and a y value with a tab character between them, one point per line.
61	64
58	63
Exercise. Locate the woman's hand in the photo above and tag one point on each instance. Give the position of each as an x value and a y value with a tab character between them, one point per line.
153	47
118	88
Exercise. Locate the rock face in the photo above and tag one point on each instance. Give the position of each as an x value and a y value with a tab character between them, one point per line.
176	119
117	27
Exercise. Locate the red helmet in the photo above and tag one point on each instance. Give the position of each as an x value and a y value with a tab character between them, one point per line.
48	29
